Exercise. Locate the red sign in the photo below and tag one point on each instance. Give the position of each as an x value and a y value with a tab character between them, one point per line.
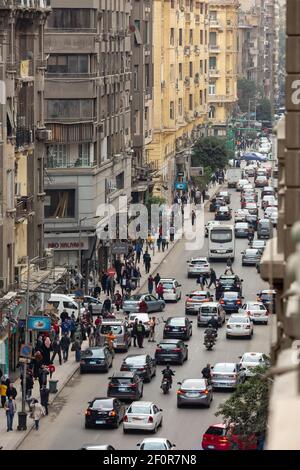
111	272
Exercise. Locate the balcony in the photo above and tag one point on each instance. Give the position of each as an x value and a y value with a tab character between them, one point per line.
24	208
214	48
54	163
24	137
214	73
221	99
215	24
25	4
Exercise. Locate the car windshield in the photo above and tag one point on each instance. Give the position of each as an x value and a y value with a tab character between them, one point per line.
198	297
241	225
221	236
102	405
223	209
176	321
198	261
251	252
238	320
168	345
216	431
250	358
153	446
192	384
227	282
230	295
139	409
115	329
135	298
266	296
93	353
167	285
206	309
224	368
258	244
256	306
121	380
251	205
139	360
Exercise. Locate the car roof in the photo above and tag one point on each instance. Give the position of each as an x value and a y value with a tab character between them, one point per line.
143	403
220	425
104	398
135	355
199	292
113	322
167	279
123	374
155	439
199	258
210	304
237	315
253	354
169	341
228	276
225	364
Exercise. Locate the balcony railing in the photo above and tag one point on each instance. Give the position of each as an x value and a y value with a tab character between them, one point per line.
214	48
52	163
24	137
24	207
214	72
25	4
215	23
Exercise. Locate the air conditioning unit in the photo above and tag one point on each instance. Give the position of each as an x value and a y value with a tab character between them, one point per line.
3	284
43	134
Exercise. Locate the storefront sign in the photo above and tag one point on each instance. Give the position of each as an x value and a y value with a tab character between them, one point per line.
39	323
119	248
181	186
66	244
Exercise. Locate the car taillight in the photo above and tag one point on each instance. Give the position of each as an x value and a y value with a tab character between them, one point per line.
238	301
174	290
179	392
223	440
82	362
125	419
183	328
88	413
176	350
204	391
141	369
150	419
112	413
222	302
132	385
110	385
158	350
248	327
167	328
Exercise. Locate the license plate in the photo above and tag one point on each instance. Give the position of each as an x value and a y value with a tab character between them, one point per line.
122	389
101	421
93	362
175	329
192	395
137	419
221	251
238	326
210	447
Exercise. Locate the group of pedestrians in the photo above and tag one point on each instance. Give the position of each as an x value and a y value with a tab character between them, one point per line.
138	332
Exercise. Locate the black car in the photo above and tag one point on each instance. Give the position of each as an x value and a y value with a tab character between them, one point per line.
171	350
178	327
223	213
95	359
126	386
227	283
141	364
215	203
104	412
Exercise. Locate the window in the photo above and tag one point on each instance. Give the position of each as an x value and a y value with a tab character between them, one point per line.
70	109
146	33
191	37
213	39
212	63
212	112
191	69
171	109
180	71
147	76
57	156
212	88
84	154
72	18
172	37
191	102
137	32
65	64
120	180
201	67
60	204
136	77
180	108
172	4
201	97
213	15
180	37
201	36
201	8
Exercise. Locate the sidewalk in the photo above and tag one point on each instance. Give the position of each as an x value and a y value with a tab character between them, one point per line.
63	373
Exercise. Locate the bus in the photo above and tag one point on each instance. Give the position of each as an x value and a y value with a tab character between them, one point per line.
221	242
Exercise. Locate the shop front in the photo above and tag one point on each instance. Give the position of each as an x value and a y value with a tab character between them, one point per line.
67	248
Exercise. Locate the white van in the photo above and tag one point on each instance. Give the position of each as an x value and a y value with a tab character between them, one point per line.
64	302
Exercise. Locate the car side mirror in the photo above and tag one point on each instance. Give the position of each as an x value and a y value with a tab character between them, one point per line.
161	409
240	357
138	445
173	445
186	345
179	383
191	321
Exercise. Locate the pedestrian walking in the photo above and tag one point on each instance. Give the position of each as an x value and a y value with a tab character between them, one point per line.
140	334
172	233
10	408
56	347
106	308
118	300
98	321
163	244
77	348
11	391
158	242
152	330
213	278
157	279
37	411
150	284
193	217
97	291
44	394
160	291
201	280
134	331
65	345
104	277
123	283
229	266
3	388
43	375
147	261
65	326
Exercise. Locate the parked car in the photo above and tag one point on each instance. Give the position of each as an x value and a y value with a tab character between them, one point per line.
231	301
133	304
256	311
268	298
125	386
97	305
141	364
171	350
264	229
223	213
178	327
271	213
198	266
104	412
194	392
241	230
225	375
251	257
195	300
210	224
210	310
120	329
239	325
216	437
97	447
250	360
228	282
159	443
142	416
172	289
95	359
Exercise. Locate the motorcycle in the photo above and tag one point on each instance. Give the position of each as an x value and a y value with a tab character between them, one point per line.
209	343
165	385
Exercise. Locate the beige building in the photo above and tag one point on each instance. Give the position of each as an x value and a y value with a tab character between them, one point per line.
180	44
223	36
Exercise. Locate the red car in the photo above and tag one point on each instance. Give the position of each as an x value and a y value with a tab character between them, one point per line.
216	438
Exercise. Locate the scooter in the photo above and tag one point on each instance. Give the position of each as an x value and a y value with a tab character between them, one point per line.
165	386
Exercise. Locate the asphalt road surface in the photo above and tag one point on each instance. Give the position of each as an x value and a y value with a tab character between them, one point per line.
64	428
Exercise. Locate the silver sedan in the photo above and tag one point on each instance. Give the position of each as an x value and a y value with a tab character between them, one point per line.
133	304
194	392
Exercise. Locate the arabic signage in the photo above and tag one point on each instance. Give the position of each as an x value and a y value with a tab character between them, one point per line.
39	323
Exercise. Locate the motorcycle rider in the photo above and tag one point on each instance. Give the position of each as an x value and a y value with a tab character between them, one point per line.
211	331
167	375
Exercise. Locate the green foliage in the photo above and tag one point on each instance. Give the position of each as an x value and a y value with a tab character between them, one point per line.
156	200
246	90
211	152
202	181
263	111
247	407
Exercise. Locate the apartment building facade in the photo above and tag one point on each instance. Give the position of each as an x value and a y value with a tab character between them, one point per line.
223	37
87	105
180	44
248	41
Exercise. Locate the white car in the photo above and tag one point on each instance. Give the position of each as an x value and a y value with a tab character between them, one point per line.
172	291
241	183
250	360
256	311
142	415
144	317
264	147
241	215
271	213
210	224
239	325
198	266
158	443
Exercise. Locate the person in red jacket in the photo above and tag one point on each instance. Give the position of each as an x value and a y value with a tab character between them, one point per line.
143	308
160	291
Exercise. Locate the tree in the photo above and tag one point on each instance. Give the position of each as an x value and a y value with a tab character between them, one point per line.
246	91
247	407
211	152
263	111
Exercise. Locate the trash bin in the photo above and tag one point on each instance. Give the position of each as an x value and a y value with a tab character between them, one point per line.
22	425
53	386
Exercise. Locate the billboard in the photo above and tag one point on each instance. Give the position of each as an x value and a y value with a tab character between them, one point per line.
39	323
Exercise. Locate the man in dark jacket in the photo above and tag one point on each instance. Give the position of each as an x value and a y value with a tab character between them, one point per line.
134	331
147	261
140	333
213	278
157	279
11	391
56	349
65	345
64	315
43	375
44	393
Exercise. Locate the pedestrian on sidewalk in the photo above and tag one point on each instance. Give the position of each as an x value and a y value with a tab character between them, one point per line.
92	339
65	345
64	315
65	326
123	283
203	195
77	348
213	278
152	330
138	251
163	244
106	308
134	331
158	242
37	411
140	334
150	284
10	407
3	388
160	291
193	217
44	394
104	277
229	266
72	326
97	291
172	233
98	321
118	300
157	279
46	350
11	391
43	375
147	261
56	346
